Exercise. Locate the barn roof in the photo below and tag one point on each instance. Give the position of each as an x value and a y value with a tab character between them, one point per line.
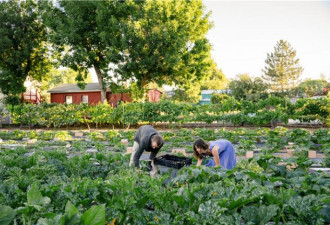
68	88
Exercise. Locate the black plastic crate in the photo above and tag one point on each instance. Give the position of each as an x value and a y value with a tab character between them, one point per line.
173	161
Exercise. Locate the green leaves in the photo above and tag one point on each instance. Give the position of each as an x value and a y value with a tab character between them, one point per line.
256	192
35	198
7	214
259	215
94	216
325	211
23	51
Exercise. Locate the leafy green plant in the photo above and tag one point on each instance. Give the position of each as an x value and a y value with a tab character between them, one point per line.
94	216
7	215
63	135
33	207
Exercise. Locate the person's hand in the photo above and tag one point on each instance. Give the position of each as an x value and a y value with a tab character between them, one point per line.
149	165
138	170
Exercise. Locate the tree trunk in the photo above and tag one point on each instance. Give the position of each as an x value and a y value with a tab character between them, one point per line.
143	84
99	77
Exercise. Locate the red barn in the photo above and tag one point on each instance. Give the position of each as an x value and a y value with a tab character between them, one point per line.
154	95
71	93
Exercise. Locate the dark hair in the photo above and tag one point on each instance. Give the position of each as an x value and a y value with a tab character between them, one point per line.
158	139
200	143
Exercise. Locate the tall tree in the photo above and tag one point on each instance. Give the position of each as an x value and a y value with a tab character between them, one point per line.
23	48
282	69
166	43
80	27
245	87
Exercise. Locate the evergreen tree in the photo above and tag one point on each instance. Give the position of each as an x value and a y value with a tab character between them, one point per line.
282	70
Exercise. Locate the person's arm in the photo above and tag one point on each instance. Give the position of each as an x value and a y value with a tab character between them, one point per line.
137	155
215	154
199	162
153	154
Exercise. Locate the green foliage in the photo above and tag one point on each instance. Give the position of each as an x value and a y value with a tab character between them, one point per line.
86	27
23	48
12	100
191	94
270	111
245	87
311	87
167	43
318	108
7	214
146	41
46	187
282	69
216	79
259	215
219	98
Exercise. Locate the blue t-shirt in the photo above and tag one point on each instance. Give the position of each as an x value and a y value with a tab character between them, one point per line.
226	154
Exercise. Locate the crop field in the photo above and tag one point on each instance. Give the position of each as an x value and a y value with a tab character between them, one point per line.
66	177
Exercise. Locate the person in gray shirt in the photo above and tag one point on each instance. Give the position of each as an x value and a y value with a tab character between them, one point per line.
146	139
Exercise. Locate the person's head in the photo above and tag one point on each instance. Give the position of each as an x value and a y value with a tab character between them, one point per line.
156	141
200	148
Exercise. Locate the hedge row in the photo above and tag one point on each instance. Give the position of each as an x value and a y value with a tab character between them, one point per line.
233	112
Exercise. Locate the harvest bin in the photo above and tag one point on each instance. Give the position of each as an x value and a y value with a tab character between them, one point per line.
173	161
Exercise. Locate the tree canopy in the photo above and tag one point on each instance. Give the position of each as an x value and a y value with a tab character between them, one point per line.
215	80
23	48
141	41
166	43
79	30
245	87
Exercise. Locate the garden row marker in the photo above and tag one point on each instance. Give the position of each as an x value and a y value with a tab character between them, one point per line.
288	147
78	134
311	154
124	141
290	152
249	154
68	145
179	150
32	141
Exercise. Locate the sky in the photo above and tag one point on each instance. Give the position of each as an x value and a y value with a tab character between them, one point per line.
245	31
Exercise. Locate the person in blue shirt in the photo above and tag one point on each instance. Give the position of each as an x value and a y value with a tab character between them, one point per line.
222	152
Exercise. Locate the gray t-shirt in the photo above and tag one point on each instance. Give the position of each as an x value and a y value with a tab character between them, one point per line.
143	137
